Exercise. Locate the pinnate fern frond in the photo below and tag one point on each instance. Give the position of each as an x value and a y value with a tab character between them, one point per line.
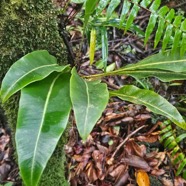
171	141
169	28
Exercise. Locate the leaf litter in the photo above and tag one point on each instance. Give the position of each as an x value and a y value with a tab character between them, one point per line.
122	149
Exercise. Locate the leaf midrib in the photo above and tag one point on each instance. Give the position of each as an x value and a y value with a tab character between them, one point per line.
41	125
146	103
151	64
19	79
88	101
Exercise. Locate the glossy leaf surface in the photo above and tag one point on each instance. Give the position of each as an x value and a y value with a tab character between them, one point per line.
32	67
89	99
173	63
92	45
152	101
89	9
112	6
43	115
104	42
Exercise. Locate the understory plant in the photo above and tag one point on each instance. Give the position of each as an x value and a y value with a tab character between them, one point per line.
49	91
171	139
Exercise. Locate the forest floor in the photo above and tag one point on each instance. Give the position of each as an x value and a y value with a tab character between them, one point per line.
126	145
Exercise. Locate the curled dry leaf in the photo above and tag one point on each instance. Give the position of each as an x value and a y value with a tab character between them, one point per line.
137	162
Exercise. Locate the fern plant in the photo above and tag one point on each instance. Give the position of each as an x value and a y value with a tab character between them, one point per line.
171	141
169	28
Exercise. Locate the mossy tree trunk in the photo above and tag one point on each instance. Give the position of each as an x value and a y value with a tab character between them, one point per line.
28	25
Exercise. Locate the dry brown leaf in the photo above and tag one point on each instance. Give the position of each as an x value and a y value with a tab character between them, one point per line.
142	178
118	170
167	182
149	139
158	172
137	162
122	179
137	149
178	181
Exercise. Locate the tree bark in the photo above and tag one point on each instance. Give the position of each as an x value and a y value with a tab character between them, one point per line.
25	26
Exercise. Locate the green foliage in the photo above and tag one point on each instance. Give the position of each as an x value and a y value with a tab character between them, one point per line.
28	25
152	101
45	106
46	101
171	141
88	99
167	67
169	28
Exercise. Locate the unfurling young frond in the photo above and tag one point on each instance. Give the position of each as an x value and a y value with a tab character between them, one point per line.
169	28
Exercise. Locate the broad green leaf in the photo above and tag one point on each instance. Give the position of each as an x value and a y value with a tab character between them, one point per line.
165	76
101	6
152	101
89	99
145	3
161	24
90	6
104	41
112	6
92	45
42	117
132	16
173	63
125	10
32	67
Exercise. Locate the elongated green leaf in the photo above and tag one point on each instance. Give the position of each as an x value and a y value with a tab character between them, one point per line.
180	137
152	21
92	45
183	44
32	67
104	40
176	41
112	6
174	63
168	31
150	26
89	99
43	115
125	10
78	1
101	6
145	3
155	5
152	101
165	76
161	24
89	9
132	16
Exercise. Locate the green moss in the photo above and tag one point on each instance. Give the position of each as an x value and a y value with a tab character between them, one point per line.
28	25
